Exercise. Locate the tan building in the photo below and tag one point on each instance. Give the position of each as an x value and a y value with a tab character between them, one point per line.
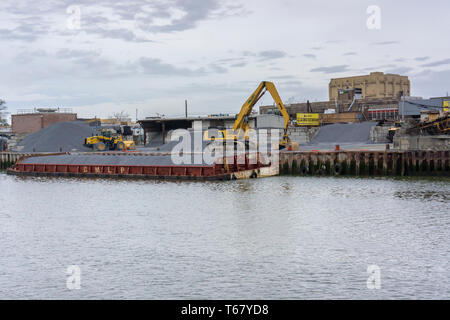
376	85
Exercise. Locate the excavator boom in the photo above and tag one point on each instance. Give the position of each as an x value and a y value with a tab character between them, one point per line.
246	110
241	126
241	123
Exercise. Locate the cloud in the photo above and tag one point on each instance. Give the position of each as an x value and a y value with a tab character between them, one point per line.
265	54
217	69
27	30
123	34
271	54
291	83
422	58
153	66
111	57
238	65
384	43
73	53
399	70
335	41
111	19
175	15
437	63
429	83
282	77
230	62
331	69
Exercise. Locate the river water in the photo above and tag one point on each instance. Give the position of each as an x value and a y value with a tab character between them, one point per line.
273	238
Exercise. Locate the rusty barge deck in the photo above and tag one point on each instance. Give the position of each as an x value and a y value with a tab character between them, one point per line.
137	165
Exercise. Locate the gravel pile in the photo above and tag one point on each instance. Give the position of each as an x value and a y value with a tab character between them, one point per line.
61	136
344	133
92	159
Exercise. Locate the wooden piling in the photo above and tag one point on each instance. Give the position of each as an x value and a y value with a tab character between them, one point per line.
387	163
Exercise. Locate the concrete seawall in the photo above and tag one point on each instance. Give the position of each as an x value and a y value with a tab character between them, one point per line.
366	163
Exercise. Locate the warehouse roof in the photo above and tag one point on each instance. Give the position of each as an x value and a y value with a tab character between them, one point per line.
413	107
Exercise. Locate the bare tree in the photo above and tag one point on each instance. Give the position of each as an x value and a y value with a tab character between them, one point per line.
121	116
291	100
3	112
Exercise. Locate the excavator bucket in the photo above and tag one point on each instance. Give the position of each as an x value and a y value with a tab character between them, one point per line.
129	145
293	146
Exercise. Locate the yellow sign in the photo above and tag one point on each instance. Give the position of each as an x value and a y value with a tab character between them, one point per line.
308	119
445	106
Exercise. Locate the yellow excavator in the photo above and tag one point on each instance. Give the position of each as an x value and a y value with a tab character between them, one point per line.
108	140
241	126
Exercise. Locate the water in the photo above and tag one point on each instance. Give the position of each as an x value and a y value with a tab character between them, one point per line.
274	238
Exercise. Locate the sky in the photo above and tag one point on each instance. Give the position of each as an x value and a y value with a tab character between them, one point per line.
106	56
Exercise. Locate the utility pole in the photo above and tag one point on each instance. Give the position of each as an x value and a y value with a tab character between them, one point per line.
136	114
403	108
185	108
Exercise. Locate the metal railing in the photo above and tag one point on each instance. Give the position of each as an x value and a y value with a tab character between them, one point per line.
44	110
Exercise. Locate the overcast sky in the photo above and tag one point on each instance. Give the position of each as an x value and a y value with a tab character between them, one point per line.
152	55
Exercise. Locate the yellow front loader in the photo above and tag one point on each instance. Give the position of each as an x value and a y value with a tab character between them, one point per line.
107	140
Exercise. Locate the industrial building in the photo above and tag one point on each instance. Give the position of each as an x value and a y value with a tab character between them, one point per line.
339	106
414	107
374	96
156	130
28	121
376	85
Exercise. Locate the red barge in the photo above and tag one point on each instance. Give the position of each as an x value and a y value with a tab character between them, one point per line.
140	165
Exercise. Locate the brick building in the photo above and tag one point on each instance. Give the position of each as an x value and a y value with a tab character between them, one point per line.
30	121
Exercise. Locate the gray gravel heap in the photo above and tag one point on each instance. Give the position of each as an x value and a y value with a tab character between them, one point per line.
344	133
64	136
94	159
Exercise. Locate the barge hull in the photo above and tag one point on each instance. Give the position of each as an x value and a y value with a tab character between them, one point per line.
140	167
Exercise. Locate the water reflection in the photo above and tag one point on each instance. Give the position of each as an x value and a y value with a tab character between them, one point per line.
282	237
425	195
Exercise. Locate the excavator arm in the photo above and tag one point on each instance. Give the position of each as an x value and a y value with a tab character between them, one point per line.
241	123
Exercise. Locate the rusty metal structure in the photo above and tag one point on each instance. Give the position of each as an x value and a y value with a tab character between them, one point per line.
439	126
